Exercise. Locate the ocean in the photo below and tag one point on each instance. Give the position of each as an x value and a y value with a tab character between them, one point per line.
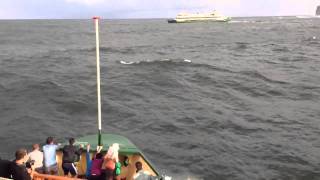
224	101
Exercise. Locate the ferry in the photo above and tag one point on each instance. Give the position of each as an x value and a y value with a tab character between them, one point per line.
129	154
196	17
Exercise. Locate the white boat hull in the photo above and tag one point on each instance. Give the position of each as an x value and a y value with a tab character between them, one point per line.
186	17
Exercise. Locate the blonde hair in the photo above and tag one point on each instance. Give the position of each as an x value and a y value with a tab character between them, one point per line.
113	152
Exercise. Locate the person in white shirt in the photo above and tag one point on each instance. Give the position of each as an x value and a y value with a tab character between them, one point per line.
141	174
50	164
36	156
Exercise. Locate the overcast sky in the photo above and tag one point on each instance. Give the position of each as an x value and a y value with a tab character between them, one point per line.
34	9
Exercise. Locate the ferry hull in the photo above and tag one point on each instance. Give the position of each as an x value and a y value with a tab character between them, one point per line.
198	20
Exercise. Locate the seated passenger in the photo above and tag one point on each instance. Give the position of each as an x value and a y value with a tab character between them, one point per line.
141	174
18	169
36	156
49	154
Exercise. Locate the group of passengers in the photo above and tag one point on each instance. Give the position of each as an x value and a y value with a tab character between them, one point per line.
104	167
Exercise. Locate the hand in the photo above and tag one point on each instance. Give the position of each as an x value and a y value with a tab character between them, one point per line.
99	148
31	170
88	147
33	167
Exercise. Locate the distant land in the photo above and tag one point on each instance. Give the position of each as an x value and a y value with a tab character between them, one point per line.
318	11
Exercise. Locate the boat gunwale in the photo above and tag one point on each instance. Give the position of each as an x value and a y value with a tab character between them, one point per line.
125	149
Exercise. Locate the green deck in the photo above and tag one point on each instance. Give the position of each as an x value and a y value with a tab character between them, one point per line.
126	146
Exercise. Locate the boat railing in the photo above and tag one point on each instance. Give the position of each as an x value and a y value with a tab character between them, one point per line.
37	176
2	178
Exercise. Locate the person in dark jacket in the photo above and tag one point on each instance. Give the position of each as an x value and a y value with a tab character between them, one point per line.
18	169
70	155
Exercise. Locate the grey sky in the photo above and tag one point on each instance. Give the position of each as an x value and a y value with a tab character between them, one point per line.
24	9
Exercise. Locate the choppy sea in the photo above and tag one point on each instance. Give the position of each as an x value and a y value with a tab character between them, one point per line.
224	101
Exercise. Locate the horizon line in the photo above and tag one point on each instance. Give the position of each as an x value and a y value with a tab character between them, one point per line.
151	17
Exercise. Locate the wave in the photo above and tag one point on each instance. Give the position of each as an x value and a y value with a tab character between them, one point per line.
73	106
312	41
241	45
241	21
180	62
122	50
43	89
306	17
124	62
126	50
155	61
281	49
257	75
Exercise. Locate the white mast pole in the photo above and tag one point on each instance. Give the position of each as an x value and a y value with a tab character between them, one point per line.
96	21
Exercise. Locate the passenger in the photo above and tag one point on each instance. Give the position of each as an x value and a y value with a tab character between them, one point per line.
18	169
88	161
5	168
125	168
49	154
109	162
141	174
70	152
36	156
95	171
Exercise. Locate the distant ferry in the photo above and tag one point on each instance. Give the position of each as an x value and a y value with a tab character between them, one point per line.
195	17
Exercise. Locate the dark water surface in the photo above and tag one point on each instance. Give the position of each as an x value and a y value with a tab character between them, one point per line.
236	100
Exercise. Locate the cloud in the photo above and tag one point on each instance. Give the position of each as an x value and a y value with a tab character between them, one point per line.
86	2
299	7
145	4
150	8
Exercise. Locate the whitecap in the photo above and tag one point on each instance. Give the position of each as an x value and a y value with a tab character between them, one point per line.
242	21
124	62
304	17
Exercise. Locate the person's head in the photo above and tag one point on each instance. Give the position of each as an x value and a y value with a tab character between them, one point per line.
21	154
99	156
49	140
71	141
35	147
138	166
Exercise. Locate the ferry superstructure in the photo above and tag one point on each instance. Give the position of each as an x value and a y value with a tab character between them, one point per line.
195	17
